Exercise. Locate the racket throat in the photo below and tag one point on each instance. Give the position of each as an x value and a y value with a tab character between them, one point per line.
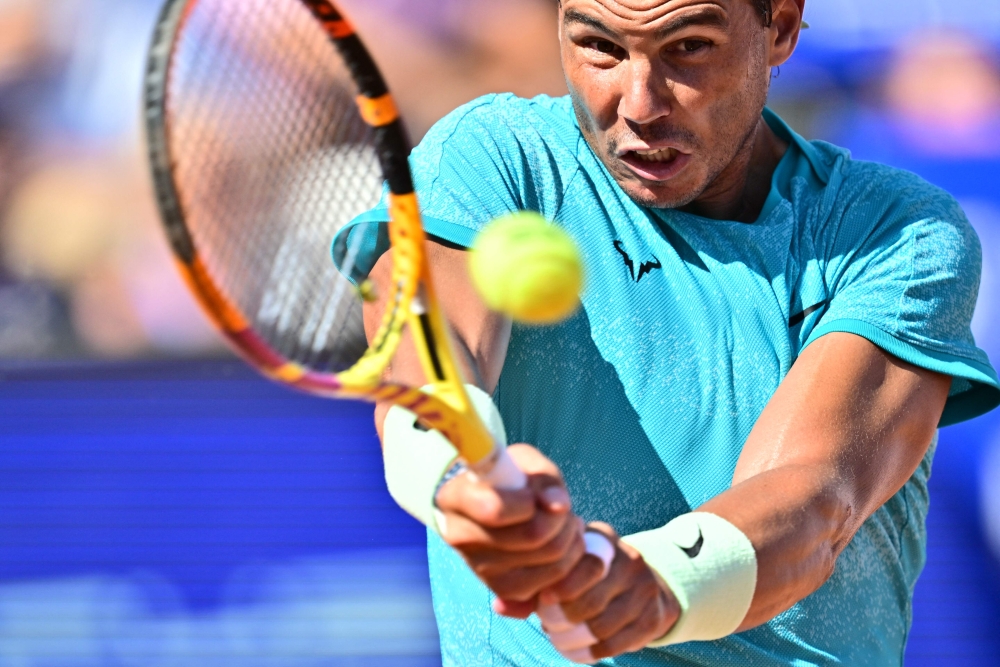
427	331
423	323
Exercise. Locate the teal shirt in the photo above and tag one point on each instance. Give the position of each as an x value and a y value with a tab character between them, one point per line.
646	397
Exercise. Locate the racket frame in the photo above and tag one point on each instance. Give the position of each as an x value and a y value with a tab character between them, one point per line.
444	405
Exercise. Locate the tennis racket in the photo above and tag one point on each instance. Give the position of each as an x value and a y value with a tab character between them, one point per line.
269	129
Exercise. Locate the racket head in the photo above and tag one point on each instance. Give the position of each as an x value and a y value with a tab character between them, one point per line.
260	156
269	129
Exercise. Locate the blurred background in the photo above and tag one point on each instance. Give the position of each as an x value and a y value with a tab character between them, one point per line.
161	505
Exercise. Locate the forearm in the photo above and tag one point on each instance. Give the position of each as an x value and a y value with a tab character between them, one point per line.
799	518
841	436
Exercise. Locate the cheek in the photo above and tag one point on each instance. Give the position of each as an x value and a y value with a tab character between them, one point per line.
594	93
728	105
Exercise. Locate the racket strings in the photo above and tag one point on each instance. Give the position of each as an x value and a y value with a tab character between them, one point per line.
271	160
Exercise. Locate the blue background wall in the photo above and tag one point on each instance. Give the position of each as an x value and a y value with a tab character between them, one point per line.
191	513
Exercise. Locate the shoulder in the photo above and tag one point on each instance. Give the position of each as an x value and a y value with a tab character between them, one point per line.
875	202
495	123
496	154
907	244
513	111
894	192
500	152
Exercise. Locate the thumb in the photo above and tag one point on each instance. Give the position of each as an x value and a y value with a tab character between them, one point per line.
554	498
544	478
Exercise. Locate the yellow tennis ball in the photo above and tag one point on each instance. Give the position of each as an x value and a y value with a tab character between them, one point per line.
527	268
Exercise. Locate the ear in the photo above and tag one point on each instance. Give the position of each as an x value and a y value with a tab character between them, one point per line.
559	21
785	29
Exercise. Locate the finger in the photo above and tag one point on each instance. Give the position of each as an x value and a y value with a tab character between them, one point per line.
479	502
487	562
544	478
551	495
471	537
515	609
533	462
594	600
602	546
621	611
647	627
526	583
590	571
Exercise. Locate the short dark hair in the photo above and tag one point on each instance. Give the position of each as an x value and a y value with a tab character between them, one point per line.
766	10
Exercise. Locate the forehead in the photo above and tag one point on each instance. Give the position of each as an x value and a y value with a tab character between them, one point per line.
639	14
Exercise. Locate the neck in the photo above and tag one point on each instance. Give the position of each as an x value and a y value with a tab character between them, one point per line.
740	191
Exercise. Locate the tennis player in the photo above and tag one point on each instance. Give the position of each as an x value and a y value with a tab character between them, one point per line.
747	402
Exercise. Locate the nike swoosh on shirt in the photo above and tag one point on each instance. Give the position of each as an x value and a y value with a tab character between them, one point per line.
692	552
796	320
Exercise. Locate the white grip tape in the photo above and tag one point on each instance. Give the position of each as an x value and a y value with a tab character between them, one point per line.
574	641
581	656
504	475
600	546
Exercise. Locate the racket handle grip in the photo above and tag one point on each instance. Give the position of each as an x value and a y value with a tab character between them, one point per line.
573	641
501	472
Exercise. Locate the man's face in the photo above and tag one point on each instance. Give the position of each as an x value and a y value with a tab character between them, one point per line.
667	92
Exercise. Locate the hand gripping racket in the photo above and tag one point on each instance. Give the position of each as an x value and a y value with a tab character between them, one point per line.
269	129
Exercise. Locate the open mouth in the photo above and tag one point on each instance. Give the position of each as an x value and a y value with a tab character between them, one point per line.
664	155
656	165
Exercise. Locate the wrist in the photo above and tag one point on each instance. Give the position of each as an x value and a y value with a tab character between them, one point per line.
709	568
419	462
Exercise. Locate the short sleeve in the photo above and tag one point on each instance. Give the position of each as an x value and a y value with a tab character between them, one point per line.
903	267
484	160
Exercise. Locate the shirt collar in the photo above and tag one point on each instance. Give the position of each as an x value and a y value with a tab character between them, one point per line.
812	154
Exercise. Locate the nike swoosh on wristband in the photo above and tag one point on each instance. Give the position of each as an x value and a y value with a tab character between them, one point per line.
692	552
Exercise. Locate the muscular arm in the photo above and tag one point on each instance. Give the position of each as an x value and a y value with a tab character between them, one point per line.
844	432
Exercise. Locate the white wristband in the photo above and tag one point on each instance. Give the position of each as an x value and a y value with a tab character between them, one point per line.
417	460
710	566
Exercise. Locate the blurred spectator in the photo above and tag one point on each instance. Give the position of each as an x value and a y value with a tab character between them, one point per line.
21	37
439	54
78	225
936	112
86	267
943	91
844	28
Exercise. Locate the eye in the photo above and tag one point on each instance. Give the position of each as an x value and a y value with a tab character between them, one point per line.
603	46
694	45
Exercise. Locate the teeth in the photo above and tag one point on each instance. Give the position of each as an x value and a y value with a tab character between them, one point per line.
664	155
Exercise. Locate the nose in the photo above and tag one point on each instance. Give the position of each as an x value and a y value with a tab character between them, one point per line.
645	95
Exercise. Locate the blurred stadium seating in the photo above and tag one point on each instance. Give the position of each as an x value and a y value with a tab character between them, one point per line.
161	505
